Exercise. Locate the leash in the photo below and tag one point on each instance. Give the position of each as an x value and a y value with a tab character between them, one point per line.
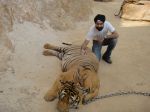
120	93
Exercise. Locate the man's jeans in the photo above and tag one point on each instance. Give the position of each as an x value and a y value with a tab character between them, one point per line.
96	48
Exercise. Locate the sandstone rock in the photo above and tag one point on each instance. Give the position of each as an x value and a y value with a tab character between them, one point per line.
60	14
5	49
139	11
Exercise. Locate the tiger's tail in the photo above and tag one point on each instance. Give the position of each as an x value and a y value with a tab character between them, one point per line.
67	44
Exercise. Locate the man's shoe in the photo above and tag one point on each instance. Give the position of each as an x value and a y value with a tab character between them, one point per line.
108	60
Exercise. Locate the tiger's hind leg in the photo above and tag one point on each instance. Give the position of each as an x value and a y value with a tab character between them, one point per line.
55	48
53	53
50	53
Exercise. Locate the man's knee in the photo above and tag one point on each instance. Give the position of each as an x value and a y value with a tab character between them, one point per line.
113	42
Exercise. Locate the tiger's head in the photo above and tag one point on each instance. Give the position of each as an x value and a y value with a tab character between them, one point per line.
68	96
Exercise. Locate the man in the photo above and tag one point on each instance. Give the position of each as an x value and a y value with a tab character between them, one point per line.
99	34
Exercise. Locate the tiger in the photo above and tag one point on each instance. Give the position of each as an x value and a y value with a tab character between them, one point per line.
123	4
78	82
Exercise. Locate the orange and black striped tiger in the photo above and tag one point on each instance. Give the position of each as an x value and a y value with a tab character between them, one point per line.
78	81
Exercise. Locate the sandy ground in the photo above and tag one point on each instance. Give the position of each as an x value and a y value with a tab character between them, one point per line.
31	74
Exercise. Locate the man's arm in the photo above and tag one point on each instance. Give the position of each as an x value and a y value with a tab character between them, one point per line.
84	46
113	35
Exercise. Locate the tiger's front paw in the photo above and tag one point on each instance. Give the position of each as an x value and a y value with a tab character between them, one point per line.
86	100
48	97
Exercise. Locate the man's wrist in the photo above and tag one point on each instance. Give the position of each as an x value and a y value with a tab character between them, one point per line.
109	36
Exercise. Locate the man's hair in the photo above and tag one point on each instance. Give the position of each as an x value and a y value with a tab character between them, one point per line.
99	17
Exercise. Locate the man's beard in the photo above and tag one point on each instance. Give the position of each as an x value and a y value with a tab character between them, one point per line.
99	28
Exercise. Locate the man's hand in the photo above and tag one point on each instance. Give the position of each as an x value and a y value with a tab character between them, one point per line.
83	52
84	47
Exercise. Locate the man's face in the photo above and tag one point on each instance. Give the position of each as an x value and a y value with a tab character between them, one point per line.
99	25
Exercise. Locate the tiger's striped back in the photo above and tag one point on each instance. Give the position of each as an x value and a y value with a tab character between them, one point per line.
72	57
